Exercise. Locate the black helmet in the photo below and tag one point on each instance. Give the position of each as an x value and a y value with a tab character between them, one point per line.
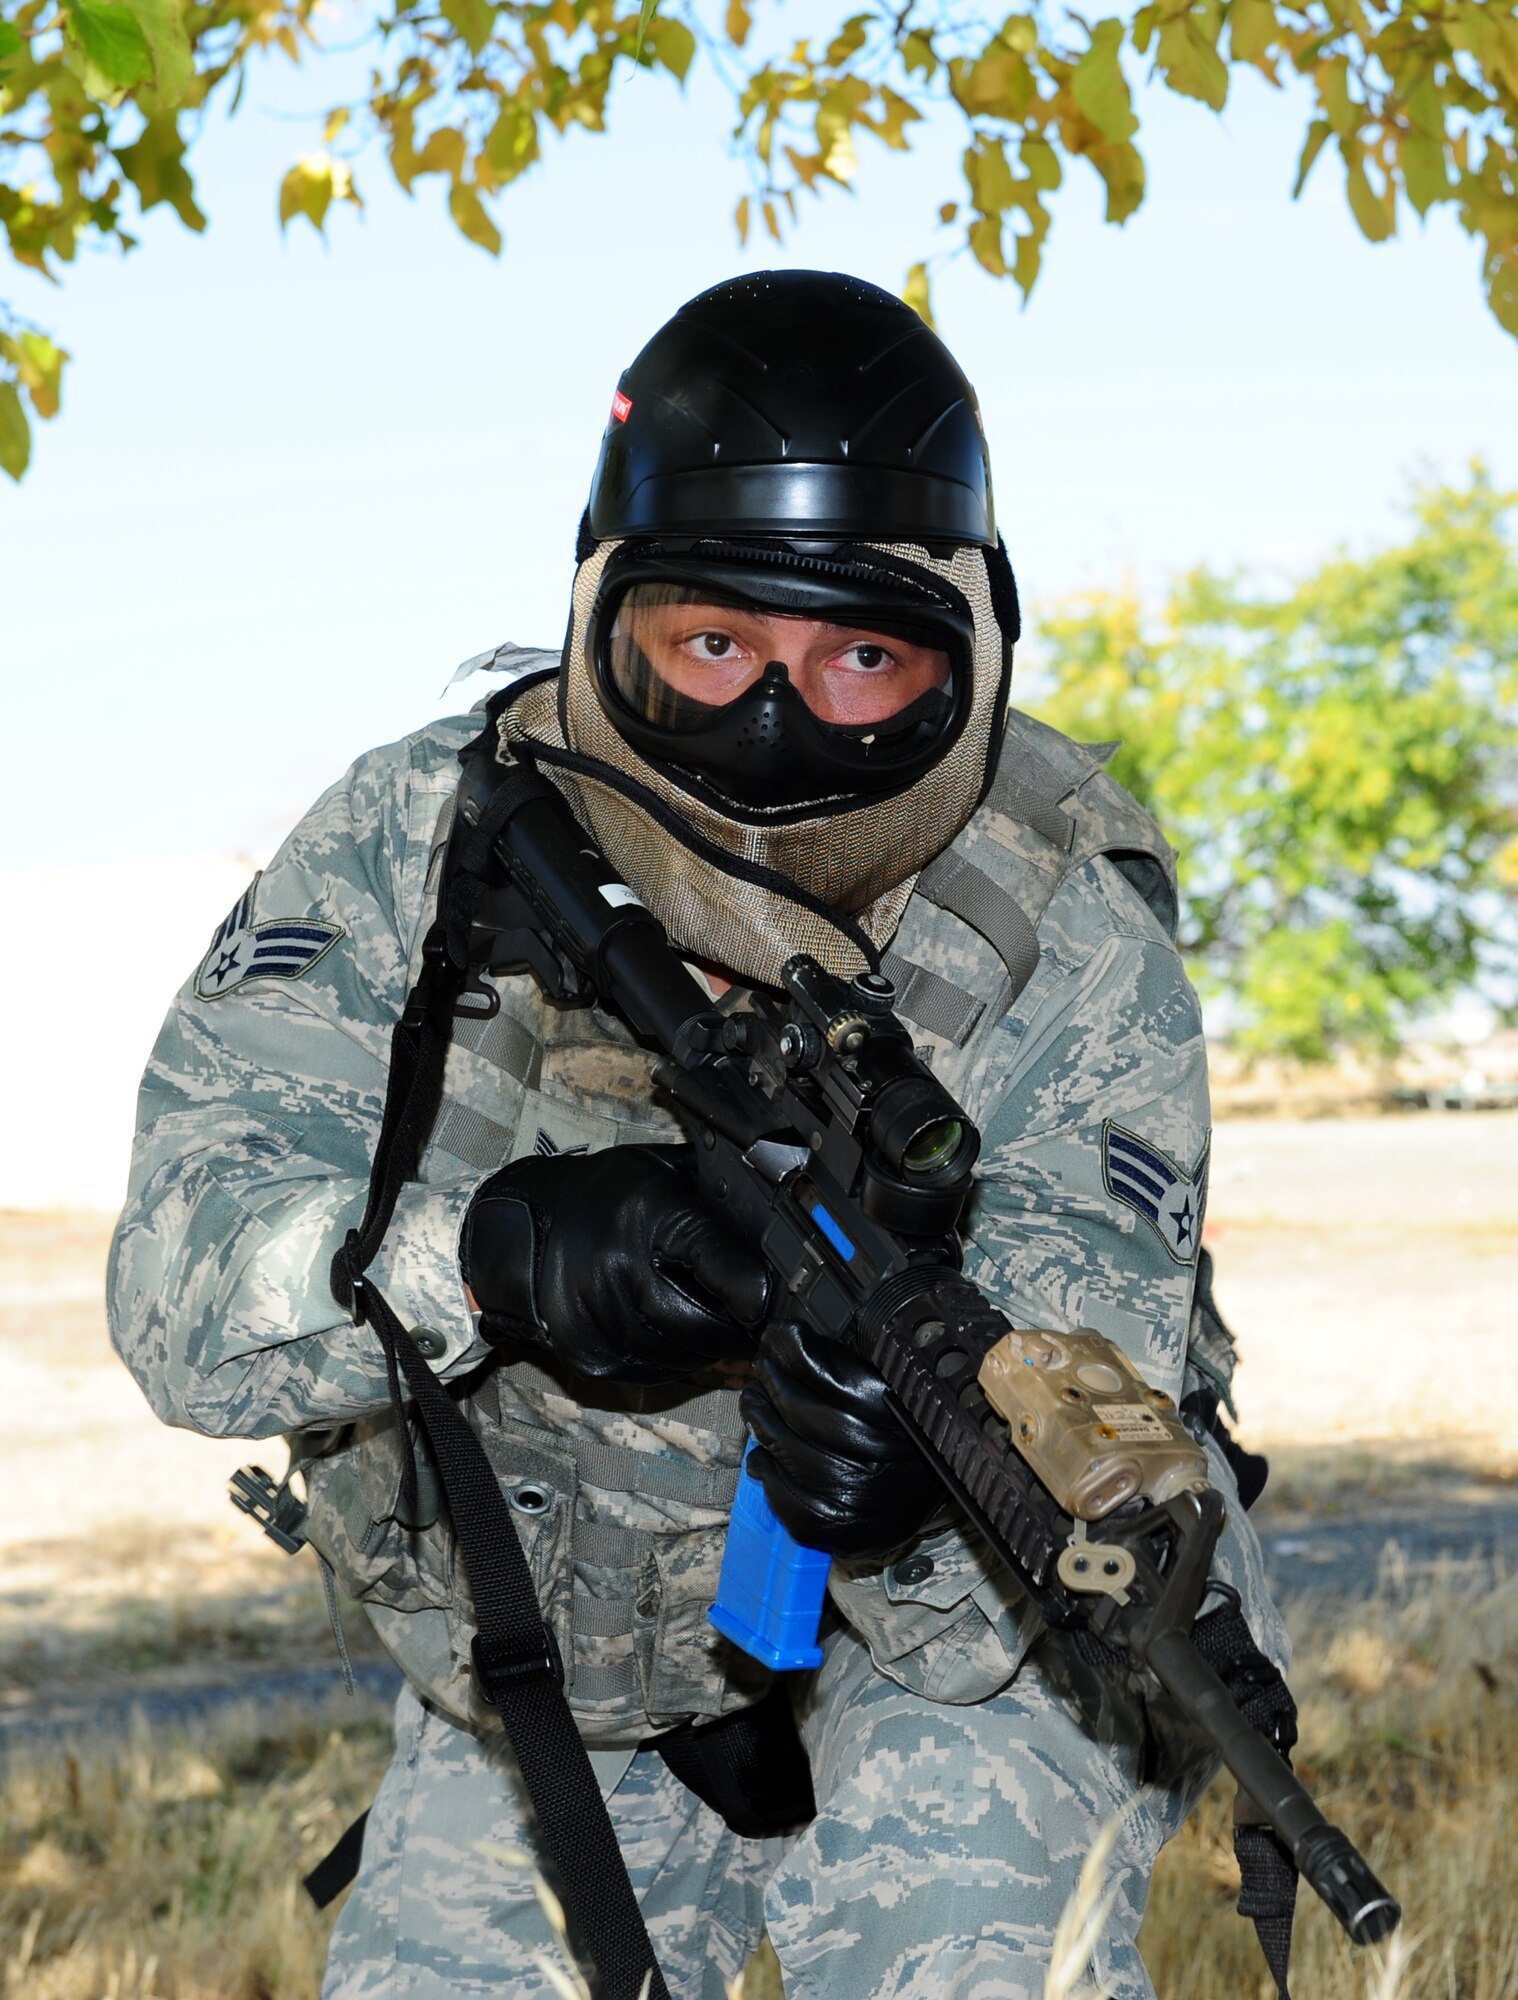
794	403
760	450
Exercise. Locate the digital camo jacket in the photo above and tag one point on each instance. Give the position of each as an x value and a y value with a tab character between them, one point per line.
258	1117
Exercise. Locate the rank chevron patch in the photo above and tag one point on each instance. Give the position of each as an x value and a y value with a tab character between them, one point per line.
242	950
1149	1181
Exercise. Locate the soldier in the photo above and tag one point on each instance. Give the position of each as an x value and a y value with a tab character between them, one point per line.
781	710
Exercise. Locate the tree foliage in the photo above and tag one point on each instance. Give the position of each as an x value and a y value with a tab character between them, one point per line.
100	101
1337	762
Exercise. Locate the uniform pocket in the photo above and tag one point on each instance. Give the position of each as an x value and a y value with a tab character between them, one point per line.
689	1668
942	1620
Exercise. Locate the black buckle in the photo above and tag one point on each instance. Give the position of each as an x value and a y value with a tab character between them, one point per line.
495	1667
278	1511
347	1279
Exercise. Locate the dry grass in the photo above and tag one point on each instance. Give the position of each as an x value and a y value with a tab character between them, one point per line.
1410	1742
166	1868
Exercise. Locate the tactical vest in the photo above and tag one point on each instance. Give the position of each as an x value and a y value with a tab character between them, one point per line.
621	1495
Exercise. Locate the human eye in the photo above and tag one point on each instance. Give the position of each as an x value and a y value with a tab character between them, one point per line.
866	656
712	647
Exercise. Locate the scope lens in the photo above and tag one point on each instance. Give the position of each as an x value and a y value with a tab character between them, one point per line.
934	1146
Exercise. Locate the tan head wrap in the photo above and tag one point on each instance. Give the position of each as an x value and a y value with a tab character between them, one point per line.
703	873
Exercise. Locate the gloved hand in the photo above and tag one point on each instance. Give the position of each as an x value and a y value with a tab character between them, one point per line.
835	1463
611	1260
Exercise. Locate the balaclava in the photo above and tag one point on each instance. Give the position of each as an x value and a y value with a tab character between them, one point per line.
802	442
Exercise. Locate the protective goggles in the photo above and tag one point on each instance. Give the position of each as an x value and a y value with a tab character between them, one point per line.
779	678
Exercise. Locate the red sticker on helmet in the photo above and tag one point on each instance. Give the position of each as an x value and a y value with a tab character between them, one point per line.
621	407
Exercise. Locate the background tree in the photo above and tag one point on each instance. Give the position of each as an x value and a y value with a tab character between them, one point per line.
100	100
1338	763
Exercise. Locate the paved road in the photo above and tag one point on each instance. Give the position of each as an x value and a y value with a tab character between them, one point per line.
1394	1550
1473	1543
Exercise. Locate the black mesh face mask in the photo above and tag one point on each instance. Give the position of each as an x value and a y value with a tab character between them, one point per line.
781	683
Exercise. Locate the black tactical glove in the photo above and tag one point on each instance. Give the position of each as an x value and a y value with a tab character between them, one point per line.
611	1260
835	1463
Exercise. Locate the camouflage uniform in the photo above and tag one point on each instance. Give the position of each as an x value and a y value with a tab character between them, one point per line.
963	1759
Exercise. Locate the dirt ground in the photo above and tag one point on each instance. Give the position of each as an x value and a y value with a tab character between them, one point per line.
1370	1268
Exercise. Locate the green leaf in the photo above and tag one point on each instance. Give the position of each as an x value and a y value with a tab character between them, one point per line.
1501	274
112	49
15	432
646	13
163	26
474	20
674	45
512	144
155	167
468	211
1375	213
11	43
916	292
1424	174
1190	63
1318	135
1040	162
1099	87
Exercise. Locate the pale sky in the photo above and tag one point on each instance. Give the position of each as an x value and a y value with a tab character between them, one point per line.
296	483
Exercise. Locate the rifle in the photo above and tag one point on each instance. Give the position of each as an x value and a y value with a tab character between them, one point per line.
820	1134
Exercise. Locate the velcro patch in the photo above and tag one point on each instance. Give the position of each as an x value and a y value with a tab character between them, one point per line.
1170	1201
242	950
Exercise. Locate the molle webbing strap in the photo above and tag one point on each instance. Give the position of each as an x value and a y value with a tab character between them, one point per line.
1025	788
931	1001
968	893
955	884
516	1657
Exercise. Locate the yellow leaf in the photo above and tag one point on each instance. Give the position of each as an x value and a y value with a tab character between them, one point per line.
990	177
336	120
739	21
473	19
468	211
948	211
917	55
771	220
1253	30
1099	87
840	162
740	216
985	245
15	433
40	366
916	293
307	190
850	39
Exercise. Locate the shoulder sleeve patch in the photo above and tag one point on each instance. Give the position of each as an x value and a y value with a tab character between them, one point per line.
1148	1181
279	949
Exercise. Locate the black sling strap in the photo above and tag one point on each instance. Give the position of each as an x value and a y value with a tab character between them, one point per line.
516	1657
